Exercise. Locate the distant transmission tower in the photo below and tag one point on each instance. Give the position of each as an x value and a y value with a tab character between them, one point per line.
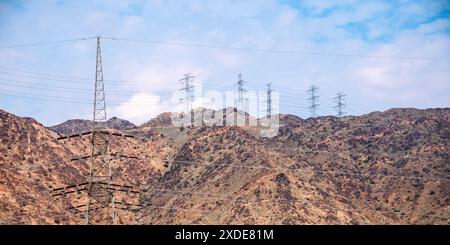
99	187
269	100
240	86
313	99
188	89
340	104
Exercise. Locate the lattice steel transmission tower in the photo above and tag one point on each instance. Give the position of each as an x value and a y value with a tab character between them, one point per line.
101	192
313	99
100	168
188	89
269	99
340	104
241	91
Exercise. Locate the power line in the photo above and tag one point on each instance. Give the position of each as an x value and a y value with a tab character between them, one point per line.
86	101
81	101
289	91
46	43
209	46
75	90
292	52
113	102
54	77
69	79
294	106
15	83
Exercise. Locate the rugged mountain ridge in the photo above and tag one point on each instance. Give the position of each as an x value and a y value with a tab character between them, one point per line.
381	168
33	162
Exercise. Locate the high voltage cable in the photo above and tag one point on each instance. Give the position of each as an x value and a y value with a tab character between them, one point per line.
45	43
55	77
77	101
67	79
9	82
248	49
86	101
87	90
294	52
74	79
44	74
81	91
115	102
259	86
137	84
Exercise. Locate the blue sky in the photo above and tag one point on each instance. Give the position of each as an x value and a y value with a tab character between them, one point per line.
419	29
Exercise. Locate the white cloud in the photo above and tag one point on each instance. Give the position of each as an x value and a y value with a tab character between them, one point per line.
403	82
433	27
142	107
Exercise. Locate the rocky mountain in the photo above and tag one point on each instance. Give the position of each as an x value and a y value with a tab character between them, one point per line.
381	168
30	160
74	126
119	124
162	120
33	162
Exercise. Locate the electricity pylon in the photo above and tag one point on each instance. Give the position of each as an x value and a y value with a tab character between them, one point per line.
99	187
188	89
240	87
340	104
313	99
269	100
100	168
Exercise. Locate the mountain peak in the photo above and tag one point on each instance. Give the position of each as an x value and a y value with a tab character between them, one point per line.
74	126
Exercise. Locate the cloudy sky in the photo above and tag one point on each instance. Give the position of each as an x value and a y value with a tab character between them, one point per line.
381	54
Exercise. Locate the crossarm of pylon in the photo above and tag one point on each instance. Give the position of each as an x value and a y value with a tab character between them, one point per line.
69	189
111	154
128	206
78	188
121	188
90	132
76	209
73	135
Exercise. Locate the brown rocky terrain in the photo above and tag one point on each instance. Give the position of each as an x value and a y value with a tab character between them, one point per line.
387	167
33	162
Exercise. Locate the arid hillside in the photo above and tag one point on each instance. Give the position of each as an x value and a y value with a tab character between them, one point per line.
33	162
390	167
387	167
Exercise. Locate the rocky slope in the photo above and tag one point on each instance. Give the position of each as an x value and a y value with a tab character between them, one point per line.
381	168
385	167
33	162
